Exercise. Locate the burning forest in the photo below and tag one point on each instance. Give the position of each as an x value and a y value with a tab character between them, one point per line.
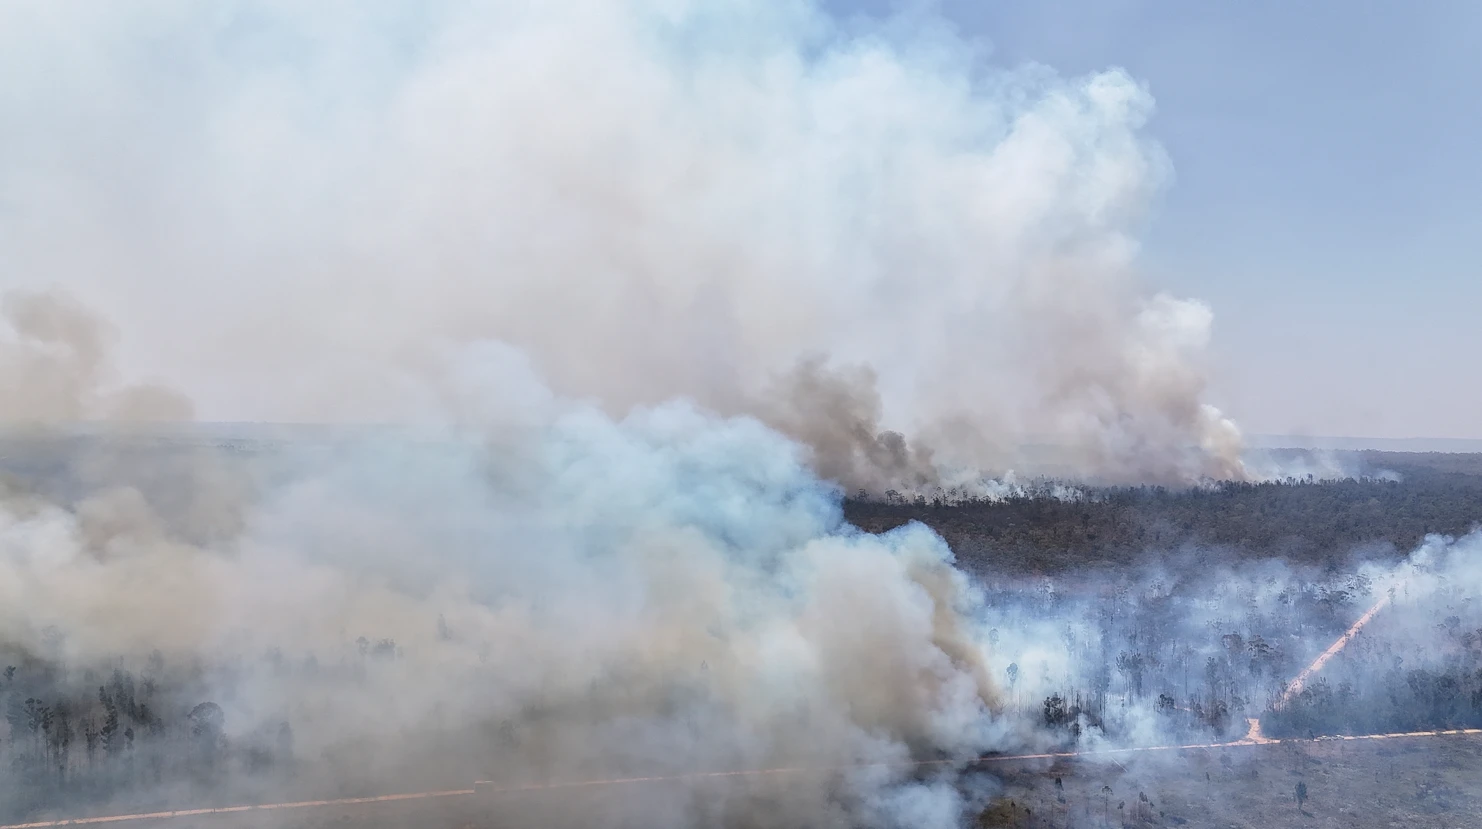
652	414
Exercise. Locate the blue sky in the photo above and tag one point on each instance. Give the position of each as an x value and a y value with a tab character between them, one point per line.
1327	199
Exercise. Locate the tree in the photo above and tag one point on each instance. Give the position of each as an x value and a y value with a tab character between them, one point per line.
36	713
206	723
1131	666
112	745
90	739
109	732
285	743
61	737
1056	715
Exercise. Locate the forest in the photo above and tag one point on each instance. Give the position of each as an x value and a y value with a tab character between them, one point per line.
1152	657
1190	659
1128	616
122	738
1384	510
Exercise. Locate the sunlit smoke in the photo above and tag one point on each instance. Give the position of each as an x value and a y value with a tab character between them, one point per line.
868	234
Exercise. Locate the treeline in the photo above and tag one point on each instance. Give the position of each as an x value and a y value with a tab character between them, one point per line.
1312	523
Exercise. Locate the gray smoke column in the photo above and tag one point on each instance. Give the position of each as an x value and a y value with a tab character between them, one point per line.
866	234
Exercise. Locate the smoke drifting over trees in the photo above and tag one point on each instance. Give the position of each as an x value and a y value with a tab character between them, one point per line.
644	287
402	611
657	594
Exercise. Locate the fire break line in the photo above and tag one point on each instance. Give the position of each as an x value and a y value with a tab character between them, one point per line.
488	788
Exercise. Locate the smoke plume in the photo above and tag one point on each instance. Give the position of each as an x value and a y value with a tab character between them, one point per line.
640	285
669	592
867	234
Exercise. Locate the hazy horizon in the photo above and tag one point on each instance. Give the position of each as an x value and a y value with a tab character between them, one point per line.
1323	194
243	429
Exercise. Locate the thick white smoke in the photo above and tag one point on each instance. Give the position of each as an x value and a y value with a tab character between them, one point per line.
843	229
695	230
667	593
